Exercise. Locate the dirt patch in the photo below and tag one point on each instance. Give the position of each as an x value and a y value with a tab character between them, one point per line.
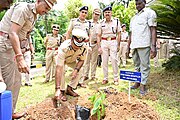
117	108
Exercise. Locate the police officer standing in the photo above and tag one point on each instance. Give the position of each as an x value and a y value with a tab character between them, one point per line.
71	53
80	23
109	42
91	59
123	46
52	41
28	50
17	21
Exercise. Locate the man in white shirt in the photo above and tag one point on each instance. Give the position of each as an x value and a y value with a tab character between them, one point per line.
142	41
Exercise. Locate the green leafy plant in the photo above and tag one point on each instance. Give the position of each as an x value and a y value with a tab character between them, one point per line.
173	64
98	104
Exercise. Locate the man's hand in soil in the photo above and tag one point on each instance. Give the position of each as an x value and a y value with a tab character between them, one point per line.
57	93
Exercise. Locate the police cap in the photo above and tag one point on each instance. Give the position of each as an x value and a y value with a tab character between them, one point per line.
50	3
55	27
84	8
123	25
97	11
107	8
80	34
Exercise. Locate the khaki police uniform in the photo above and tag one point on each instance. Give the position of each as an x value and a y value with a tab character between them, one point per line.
67	56
24	15
123	48
76	23
85	25
91	59
109	45
52	43
27	58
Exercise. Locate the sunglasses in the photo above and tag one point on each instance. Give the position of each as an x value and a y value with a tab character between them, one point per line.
84	12
107	12
97	14
80	39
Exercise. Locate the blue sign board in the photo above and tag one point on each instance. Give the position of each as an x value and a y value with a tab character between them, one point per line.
130	76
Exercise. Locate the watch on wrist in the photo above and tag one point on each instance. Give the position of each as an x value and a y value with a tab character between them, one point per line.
76	69
57	87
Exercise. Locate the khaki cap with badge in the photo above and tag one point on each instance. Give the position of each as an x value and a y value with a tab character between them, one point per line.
79	36
50	2
97	11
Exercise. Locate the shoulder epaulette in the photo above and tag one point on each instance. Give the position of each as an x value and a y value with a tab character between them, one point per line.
101	21
73	19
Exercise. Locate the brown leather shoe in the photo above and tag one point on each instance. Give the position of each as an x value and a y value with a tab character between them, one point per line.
46	81
81	85
63	96
85	78
71	92
18	115
104	82
135	86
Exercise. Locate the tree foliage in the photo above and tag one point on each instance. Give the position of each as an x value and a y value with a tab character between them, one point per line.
124	14
72	9
168	17
43	27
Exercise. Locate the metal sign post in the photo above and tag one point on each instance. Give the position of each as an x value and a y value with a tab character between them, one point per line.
131	77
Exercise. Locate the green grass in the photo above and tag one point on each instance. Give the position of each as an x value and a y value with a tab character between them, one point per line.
164	86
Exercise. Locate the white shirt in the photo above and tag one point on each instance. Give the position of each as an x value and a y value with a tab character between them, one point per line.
140	28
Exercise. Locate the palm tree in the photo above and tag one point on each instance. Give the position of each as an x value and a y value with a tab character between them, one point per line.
168	17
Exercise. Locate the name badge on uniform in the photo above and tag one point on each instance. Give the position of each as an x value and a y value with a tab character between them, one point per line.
108	38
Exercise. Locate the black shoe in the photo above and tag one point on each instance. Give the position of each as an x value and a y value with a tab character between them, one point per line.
28	84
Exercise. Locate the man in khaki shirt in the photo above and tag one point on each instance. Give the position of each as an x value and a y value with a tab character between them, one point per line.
91	59
17	21
52	41
123	46
71	53
80	23
108	42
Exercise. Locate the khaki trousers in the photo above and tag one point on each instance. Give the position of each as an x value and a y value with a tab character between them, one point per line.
27	58
141	58
9	70
122	53
109	47
91	62
50	64
73	82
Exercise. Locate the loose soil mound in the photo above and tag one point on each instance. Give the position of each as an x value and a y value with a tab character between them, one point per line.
117	108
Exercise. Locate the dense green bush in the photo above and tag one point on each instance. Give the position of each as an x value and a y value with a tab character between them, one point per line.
174	62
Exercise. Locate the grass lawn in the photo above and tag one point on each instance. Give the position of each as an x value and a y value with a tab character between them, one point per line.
163	91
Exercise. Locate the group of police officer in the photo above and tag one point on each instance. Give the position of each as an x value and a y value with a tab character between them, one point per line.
84	41
80	52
